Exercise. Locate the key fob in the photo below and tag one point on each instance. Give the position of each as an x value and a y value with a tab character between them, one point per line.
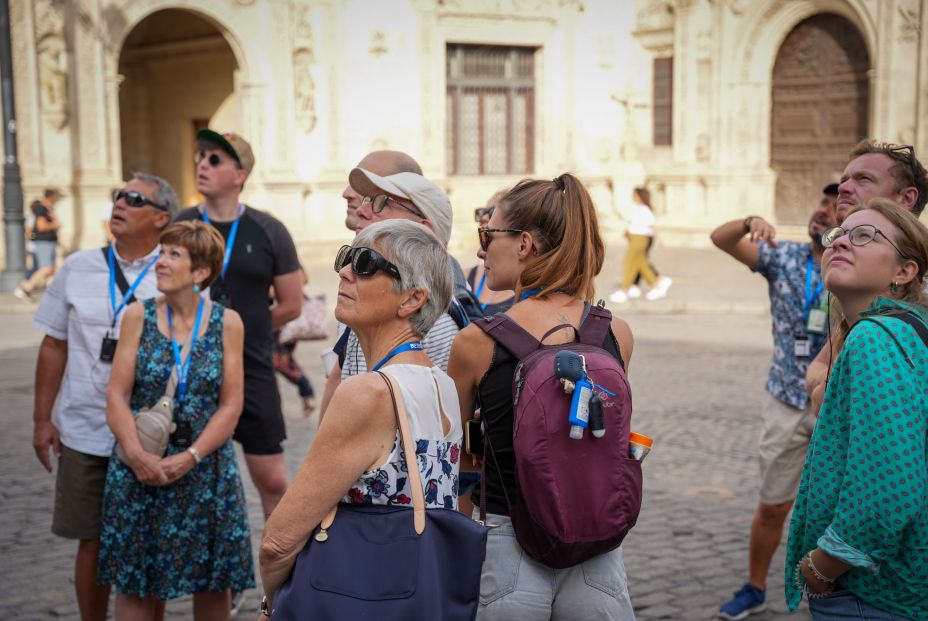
183	435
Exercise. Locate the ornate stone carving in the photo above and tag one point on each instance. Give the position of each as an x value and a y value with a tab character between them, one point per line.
304	57
909	28
654	26
378	46
52	62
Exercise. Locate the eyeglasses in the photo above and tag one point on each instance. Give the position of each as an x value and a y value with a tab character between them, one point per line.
860	235
483	233
364	262
907	155
134	199
213	159
379	203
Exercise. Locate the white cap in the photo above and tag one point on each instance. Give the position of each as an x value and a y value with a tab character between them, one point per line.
425	195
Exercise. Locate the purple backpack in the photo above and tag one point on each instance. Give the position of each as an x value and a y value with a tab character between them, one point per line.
577	498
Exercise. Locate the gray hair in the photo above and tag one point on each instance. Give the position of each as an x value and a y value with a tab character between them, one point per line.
164	193
422	262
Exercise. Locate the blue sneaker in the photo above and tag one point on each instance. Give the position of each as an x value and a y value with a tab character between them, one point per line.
748	601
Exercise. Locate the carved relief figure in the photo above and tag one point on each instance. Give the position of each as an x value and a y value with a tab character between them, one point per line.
304	90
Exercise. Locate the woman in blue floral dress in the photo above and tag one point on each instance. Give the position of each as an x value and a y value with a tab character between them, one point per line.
858	540
177	524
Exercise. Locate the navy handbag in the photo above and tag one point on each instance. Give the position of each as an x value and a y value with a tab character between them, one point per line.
387	563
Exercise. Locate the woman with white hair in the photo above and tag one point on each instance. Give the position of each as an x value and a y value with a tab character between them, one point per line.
395	282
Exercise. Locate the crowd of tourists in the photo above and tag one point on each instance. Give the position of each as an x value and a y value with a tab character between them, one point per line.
475	456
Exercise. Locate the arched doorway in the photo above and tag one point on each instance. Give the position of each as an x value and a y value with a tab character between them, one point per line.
178	77
820	110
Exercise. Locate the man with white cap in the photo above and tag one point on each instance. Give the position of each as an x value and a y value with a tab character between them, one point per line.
408	196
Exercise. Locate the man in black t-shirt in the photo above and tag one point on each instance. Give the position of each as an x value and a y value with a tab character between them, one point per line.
259	254
43	241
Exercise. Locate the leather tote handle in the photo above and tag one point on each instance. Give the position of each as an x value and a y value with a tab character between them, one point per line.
409	453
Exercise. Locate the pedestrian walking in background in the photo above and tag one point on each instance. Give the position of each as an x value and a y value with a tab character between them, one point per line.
640	235
543	242
43	243
798	306
81	314
395	282
859	533
289	368
176	524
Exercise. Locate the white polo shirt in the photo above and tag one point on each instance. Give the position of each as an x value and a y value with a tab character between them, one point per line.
76	308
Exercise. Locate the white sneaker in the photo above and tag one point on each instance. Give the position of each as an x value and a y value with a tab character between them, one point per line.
634	292
663	283
22	295
655	294
618	296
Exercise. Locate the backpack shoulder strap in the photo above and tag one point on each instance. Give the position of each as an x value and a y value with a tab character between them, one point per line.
904	317
595	325
513	337
920	328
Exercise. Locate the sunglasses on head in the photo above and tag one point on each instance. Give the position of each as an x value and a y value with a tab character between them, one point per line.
134	199
483	233
364	262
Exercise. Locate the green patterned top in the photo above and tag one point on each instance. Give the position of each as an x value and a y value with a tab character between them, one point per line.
863	497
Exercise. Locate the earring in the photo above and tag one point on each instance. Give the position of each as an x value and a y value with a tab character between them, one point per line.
196	287
894	288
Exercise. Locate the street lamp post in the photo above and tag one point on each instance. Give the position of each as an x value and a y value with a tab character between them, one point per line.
12	185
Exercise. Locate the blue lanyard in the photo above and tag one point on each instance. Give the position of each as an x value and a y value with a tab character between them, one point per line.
411	345
811	296
111	259
230	243
483	281
527	294
183	367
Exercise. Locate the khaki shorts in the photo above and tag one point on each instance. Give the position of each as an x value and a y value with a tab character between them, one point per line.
783	447
79	494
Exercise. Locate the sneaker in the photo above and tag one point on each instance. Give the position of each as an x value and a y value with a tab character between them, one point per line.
618	296
634	292
238	600
748	601
663	283
655	294
23	295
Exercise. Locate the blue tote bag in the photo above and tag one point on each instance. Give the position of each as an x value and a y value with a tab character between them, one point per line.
387	563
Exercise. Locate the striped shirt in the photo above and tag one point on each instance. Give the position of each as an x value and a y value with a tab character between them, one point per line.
76	308
437	345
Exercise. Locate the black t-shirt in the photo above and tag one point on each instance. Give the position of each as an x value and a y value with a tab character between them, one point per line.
495	392
41	211
263	249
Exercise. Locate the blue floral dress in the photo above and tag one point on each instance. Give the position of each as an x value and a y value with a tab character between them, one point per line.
192	535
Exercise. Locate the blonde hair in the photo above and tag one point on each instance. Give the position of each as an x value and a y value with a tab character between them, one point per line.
204	243
561	217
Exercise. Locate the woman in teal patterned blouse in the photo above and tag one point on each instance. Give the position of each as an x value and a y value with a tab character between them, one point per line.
858	541
177	524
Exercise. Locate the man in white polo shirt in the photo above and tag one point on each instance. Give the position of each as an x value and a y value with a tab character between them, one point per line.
80	315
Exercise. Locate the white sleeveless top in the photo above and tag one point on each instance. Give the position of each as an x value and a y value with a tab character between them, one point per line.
428	392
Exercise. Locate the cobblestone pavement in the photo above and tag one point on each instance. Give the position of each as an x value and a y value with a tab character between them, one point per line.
697	374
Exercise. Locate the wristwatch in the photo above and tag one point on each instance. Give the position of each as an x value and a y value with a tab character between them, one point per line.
747	224
264	608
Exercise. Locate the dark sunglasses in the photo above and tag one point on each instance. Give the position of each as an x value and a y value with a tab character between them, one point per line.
860	235
483	233
213	159
906	153
364	262
134	199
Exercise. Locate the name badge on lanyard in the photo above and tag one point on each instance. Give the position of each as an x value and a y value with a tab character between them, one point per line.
219	291
802	346
815	307
108	346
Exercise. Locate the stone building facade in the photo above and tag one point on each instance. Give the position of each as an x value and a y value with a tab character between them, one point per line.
721	107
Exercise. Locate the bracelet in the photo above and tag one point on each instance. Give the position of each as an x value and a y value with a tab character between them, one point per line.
196	455
747	224
803	586
816	572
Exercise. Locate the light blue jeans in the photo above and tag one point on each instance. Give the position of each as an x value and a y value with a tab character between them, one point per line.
844	606
515	586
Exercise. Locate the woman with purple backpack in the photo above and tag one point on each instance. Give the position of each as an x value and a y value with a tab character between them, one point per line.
543	242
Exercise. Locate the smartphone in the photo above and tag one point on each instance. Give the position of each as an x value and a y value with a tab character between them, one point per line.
473	438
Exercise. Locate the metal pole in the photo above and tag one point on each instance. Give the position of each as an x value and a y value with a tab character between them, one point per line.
12	185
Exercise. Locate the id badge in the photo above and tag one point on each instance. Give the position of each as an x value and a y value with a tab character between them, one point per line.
183	435
815	322
802	346
108	349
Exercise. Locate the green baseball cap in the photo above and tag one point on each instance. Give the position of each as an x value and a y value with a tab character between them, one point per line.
233	144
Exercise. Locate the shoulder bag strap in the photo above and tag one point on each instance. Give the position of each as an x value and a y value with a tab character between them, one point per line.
120	277
873	320
513	337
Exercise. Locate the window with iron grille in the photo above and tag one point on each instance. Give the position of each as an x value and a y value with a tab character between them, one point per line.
663	101
490	109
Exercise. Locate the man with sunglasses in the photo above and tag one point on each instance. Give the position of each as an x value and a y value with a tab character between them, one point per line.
80	314
408	196
259	254
798	306
875	170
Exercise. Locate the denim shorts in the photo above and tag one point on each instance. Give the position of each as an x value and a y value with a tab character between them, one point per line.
515	586
845	606
45	253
